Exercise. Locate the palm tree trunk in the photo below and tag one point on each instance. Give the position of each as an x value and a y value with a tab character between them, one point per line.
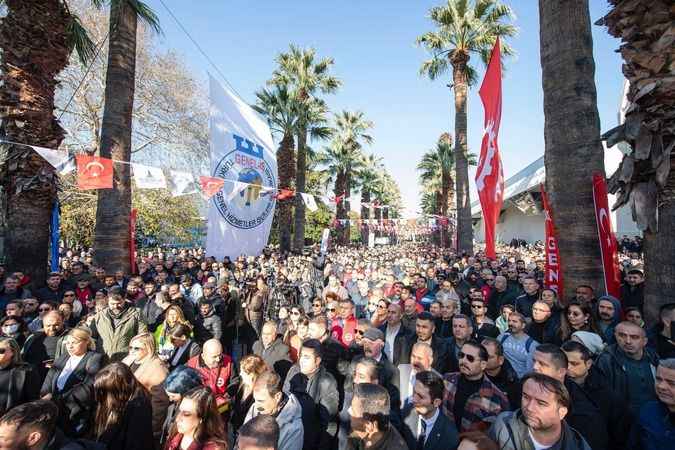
464	229
286	170
659	249
572	136
365	215
445	193
34	51
300	176
346	236
111	240
340	206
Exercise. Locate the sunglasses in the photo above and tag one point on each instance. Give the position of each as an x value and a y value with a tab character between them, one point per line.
477	306
69	295
3	351
462	355
382	306
330	309
295	313
361	332
574	313
44	309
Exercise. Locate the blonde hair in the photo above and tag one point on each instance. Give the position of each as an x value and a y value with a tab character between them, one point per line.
147	340
82	334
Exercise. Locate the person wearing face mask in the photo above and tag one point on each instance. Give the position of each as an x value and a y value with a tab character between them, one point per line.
69	382
115	326
198	424
311	377
14	328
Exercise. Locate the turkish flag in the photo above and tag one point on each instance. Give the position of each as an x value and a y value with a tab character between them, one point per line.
285	194
490	175
94	172
610	257
210	185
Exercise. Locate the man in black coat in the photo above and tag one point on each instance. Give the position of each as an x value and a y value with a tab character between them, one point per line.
272	350
320	385
580	370
425	426
633	290
54	290
395	334
499	371
424	332
43	347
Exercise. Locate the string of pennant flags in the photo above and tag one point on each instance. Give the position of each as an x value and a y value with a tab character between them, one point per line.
94	172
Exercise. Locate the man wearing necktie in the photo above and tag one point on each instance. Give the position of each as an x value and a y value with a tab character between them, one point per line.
426	427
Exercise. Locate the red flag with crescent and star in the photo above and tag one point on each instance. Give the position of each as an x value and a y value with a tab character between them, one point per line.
94	172
607	240
490	175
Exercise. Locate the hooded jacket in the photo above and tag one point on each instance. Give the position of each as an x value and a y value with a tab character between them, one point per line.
608	333
289	419
510	432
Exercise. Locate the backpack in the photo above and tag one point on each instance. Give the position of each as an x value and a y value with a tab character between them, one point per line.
528	342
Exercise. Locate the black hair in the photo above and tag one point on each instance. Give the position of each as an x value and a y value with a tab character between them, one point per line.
426	315
482	351
557	355
40	414
574	346
314	345
263	428
433	382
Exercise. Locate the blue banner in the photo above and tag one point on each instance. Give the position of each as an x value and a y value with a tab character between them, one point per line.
55	237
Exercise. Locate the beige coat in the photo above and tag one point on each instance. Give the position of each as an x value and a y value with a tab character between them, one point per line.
152	371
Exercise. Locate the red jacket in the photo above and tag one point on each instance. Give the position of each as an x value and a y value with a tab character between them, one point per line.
214	379
348	331
174	444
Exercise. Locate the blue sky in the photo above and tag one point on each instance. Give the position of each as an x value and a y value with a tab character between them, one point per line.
373	44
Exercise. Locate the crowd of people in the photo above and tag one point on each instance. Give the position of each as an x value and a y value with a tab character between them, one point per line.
394	347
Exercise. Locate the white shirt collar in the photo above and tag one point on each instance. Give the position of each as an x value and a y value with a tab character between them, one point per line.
430	424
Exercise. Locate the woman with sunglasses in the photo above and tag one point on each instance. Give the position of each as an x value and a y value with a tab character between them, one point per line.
70	380
151	372
123	417
380	316
578	316
317	308
18	382
198	424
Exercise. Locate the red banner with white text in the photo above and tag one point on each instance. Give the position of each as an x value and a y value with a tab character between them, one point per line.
132	239
490	175
607	240
553	271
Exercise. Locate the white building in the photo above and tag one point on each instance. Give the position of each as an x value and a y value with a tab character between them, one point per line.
522	217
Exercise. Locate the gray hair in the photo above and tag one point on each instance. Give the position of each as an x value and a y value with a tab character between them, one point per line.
668	363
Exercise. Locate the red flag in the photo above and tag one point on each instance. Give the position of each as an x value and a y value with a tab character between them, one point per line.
339	198
490	176
132	239
284	194
94	172
210	185
553	270
610	257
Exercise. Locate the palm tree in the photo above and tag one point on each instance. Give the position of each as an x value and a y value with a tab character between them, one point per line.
36	39
429	168
111	240
343	157
646	179
368	178
464	28
306	76
282	111
572	136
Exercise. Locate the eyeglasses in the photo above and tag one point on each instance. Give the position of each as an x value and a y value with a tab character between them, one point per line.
295	313
382	306
3	351
317	305
462	355
44	309
69	295
330	309
361	332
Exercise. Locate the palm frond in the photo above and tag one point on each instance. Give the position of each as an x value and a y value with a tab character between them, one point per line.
79	40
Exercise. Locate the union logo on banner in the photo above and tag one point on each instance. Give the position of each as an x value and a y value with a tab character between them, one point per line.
245	163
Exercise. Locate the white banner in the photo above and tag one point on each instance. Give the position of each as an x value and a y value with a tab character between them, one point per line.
60	160
242	150
182	183
147	177
309	201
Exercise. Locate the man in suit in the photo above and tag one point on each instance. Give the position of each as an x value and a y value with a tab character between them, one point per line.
425	425
421	359
395	334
